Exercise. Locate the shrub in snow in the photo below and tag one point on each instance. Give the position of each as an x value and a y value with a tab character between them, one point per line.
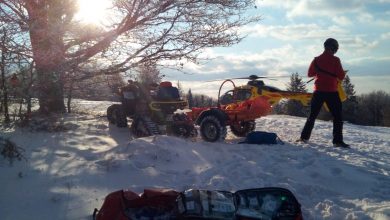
10	151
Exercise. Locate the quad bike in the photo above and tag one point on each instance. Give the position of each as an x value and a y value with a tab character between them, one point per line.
238	108
152	110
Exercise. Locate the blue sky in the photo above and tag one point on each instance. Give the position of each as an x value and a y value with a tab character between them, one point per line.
291	34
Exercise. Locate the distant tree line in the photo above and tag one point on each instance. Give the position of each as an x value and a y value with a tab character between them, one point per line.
200	100
371	109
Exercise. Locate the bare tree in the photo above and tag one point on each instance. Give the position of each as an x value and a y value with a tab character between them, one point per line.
190	99
148	73
4	89
179	87
13	57
139	31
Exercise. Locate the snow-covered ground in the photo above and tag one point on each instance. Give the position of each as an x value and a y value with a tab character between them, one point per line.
68	174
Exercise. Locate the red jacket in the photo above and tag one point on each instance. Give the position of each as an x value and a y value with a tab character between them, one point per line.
321	68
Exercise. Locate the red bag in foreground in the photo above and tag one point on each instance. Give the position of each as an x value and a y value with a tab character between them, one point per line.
127	205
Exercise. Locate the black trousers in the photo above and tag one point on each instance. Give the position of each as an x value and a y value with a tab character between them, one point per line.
333	102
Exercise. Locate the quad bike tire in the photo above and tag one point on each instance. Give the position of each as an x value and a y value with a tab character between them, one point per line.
243	128
182	126
116	115
212	129
184	130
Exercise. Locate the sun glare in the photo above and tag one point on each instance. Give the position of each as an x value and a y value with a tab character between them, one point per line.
93	11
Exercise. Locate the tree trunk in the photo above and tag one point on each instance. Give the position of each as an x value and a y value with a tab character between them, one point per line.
70	91
28	92
28	100
50	95
4	87
48	54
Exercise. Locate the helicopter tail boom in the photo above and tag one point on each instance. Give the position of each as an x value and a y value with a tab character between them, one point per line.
274	98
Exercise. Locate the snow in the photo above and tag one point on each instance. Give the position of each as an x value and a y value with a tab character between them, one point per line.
67	174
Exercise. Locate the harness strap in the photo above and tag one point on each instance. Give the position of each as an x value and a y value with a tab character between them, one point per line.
319	69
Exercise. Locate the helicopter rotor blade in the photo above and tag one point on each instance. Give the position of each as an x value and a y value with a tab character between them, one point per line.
252	77
215	80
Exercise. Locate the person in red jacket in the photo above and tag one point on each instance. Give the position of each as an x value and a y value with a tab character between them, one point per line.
327	70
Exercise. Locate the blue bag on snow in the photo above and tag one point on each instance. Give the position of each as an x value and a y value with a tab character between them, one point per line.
262	137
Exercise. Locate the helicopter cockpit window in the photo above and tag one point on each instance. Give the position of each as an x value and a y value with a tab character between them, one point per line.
243	94
227	98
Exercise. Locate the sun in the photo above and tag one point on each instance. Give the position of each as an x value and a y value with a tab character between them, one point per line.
93	11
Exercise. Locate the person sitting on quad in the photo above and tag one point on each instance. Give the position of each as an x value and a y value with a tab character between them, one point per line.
129	96
167	92
153	87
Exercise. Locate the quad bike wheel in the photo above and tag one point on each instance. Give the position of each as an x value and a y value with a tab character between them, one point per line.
182	126
116	115
243	128
212	129
184	130
110	117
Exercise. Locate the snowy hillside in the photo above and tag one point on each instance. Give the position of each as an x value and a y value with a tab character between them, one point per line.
68	174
